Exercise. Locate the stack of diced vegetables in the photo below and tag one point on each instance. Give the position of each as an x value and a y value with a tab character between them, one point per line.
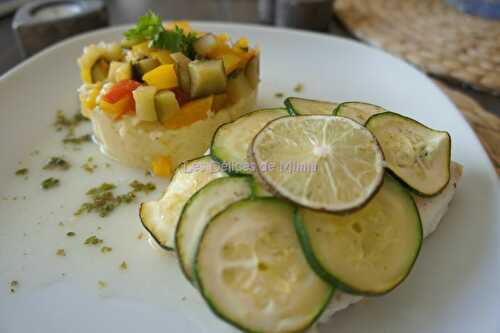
168	74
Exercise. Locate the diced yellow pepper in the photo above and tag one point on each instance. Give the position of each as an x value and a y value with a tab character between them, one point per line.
124	72
162	77
231	62
184	25
223	38
191	112
162	56
161	166
142	48
88	98
242	43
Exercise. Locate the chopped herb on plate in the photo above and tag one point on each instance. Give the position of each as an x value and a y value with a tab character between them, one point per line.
279	95
123	266
61	252
70	234
50	183
22	172
93	240
106	249
299	87
77	140
137	186
56	163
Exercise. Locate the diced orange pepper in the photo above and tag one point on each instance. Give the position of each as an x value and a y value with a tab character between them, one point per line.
191	112
219	102
162	77
184	25
161	166
116	110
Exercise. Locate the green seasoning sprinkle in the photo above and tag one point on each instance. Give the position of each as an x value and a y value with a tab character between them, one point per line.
279	95
22	172
56	163
299	87
50	183
77	140
106	249
61	252
62	121
13	285
93	240
70	234
123	266
137	186
89	166
104	187
102	284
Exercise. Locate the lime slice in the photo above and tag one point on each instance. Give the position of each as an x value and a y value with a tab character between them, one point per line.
320	162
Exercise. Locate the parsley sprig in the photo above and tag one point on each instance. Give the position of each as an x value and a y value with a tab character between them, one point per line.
149	27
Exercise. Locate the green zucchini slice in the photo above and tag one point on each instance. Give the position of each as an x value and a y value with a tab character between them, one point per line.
416	154
303	106
231	141
367	252
200	208
160	217
358	111
251	271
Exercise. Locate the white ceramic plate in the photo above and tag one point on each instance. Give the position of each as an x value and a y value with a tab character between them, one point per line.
453	287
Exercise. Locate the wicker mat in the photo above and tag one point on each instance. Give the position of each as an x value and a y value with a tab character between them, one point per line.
485	124
430	34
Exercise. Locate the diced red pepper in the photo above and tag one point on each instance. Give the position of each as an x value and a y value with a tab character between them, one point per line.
120	90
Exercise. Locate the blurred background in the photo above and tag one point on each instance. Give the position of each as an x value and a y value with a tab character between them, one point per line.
456	42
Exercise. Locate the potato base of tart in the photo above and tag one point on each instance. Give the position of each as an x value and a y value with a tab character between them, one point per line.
136	144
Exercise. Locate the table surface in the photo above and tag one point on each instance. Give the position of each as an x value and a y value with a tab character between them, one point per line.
245	11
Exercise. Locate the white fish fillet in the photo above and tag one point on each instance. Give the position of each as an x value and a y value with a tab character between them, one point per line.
431	212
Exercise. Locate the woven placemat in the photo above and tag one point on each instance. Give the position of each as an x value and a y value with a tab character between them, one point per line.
430	34
485	124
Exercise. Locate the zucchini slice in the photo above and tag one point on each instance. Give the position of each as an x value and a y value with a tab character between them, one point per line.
416	154
160	217
303	106
201	207
370	251
251	271
358	111
231	141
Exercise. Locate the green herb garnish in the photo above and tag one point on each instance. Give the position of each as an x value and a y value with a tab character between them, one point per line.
102	284
50	183
149	27
70	234
56	163
22	172
61	252
279	95
93	240
137	186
